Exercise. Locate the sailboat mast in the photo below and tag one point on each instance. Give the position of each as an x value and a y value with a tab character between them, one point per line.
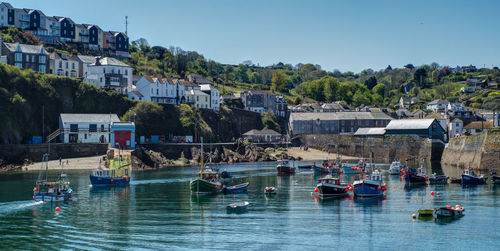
201	168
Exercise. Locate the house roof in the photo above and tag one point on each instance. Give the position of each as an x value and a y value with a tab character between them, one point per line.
409	124
207	87
86	59
262	132
434	116
112	61
479	125
7	5
186	83
339	115
457	120
60	56
438	101
196	92
137	93
376	131
200	79
88	118
26	48
88	26
62	18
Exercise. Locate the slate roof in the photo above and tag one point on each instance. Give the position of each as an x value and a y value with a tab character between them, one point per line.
88	118
339	115
262	132
479	125
86	59
409	124
137	93
26	48
438	101
376	131
7	5
112	61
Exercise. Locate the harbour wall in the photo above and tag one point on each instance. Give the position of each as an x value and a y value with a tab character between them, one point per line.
385	149
21	153
480	151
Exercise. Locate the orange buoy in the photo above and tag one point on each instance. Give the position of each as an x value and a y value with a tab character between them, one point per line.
58	209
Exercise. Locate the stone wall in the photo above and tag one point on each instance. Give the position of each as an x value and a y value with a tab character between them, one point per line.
480	151
385	149
20	153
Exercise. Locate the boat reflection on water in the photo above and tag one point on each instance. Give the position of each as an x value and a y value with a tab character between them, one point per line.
445	220
370	201
107	192
203	198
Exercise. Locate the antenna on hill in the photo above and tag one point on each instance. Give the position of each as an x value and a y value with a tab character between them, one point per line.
126	25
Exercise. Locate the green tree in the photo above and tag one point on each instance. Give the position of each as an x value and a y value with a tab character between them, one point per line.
279	81
420	76
270	121
371	82
379	89
297	100
331	88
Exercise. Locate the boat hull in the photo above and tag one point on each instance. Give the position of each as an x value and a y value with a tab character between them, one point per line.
448	212
331	190
285	169
412	179
496	179
364	189
109	181
241	188
473	180
321	169
53	196
200	186
238	207
350	170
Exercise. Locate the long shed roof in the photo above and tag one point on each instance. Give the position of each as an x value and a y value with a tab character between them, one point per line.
409	124
88	118
339	115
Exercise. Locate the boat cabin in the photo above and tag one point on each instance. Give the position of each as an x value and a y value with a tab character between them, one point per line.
469	172
377	176
329	180
56	187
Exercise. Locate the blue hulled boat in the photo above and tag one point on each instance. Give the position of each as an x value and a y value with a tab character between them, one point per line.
369	187
240	188
103	177
469	177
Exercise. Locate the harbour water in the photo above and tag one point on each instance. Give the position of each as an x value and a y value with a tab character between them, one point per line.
158	212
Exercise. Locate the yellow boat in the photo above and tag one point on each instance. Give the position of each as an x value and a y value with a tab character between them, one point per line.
425	212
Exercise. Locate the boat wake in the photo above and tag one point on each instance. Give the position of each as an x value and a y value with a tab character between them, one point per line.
16	206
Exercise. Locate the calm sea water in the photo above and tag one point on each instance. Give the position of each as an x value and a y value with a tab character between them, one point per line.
157	211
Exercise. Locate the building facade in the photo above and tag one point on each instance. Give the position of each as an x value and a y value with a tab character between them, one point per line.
156	90
86	128
63	65
335	122
214	95
106	72
198	98
25	56
123	135
426	128
258	101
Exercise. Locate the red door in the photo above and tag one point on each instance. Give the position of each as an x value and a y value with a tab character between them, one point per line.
122	139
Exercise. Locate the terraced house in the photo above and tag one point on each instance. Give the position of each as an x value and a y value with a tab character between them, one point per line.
51	29
25	56
158	90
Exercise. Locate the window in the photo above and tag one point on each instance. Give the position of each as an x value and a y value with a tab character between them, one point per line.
157	92
85	136
20	65
41	59
32	58
126	72
197	98
102	128
27	58
60	64
41	68
73	128
67	64
101	79
93	128
104	70
18	57
119	71
73	66
152	91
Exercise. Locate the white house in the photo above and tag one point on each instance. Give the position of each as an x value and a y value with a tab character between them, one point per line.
62	65
437	105
455	128
86	128
197	98
106	73
214	95
156	90
455	107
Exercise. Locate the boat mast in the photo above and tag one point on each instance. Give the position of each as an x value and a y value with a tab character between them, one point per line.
201	167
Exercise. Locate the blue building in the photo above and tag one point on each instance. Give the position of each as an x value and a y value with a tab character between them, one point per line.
123	135
427	128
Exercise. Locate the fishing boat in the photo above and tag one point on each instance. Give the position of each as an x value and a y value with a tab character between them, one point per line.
209	180
370	187
469	177
321	169
239	206
285	166
240	188
395	168
270	190
414	176
116	175
449	211
358	169
330	187
438	179
45	190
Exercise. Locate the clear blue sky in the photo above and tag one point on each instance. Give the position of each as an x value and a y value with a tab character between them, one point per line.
345	35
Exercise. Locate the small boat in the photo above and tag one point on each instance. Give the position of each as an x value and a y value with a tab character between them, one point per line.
270	190
306	166
456	180
469	177
395	168
285	166
449	211
113	176
240	188
329	187
495	177
321	169
425	212
414	176
239	206
209	180
371	187
438	179
45	190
